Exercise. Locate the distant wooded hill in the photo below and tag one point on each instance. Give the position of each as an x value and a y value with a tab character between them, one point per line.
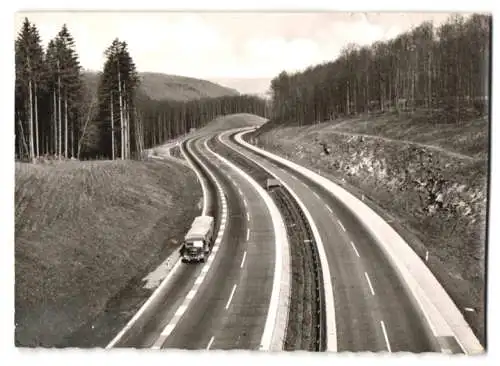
159	86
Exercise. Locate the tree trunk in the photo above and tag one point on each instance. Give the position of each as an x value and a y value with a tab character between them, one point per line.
122	131
31	139
127	130
37	136
59	110
112	128
429	87
348	101
55	123
65	126
72	139
23	138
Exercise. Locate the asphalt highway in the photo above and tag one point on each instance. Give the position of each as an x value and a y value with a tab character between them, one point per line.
373	310
230	306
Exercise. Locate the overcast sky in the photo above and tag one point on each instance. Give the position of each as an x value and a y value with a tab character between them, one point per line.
223	46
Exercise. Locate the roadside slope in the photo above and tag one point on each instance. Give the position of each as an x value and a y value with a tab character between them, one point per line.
86	234
231	121
434	196
222	123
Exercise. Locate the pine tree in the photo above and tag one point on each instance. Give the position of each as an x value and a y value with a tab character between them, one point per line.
65	87
29	71
117	88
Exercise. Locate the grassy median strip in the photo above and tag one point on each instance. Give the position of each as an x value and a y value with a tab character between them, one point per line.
302	330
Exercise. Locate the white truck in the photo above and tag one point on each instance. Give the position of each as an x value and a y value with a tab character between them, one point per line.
198	240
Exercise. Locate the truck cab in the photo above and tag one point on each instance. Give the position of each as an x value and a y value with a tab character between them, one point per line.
194	251
198	240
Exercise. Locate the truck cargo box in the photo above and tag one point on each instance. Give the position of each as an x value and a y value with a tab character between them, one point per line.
201	226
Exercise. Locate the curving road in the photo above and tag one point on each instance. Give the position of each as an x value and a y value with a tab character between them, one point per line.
229	307
225	303
373	310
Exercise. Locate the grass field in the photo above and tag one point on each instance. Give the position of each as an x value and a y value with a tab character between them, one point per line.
84	231
231	121
427	179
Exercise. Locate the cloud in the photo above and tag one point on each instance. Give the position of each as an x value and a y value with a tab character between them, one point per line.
223	45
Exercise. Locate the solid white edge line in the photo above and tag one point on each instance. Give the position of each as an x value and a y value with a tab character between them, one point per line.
460	327
369	283
271	335
434	297
331	327
183	307
231	296
385	336
173	270
144	307
200	179
243	259
210	342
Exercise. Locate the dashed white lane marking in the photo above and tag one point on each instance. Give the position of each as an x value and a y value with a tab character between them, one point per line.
201	277
240	192
316	195
191	294
248	234
385	336
354	247
340	223
243	260
230	297
245	203
471	310
273	334
168	330
181	310
329	209
248	217
369	283
210	343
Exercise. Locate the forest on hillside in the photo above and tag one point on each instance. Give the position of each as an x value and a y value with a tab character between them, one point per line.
444	70
57	115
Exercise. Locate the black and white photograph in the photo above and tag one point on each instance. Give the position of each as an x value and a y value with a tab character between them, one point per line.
252	180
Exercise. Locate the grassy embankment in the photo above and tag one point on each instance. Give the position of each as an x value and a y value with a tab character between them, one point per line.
223	123
86	234
426	177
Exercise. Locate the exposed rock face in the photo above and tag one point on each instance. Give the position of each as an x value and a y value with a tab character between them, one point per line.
441	196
